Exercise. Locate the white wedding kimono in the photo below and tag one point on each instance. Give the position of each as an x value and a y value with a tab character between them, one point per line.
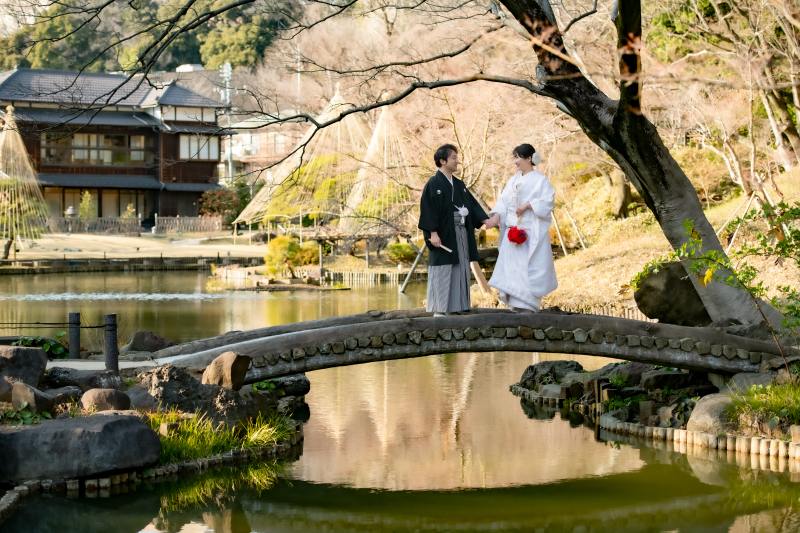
525	272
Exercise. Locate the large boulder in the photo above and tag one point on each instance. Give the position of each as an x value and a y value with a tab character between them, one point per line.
294	385
670	297
19	363
734	326
710	415
555	370
265	401
227	370
65	394
170	386
85	380
78	447
146	341
632	372
106	400
35	400
660	379
606	372
742	381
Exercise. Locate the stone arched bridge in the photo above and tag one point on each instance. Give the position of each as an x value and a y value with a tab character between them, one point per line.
378	336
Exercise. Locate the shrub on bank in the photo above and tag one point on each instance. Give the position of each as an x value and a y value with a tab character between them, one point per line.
773	406
401	253
196	437
308	254
284	249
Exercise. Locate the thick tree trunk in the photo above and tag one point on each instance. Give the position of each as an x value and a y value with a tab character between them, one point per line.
632	141
7	248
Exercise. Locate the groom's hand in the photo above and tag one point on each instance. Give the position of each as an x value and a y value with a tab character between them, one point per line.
435	240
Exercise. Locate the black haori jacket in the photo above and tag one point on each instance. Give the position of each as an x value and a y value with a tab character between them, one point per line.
436	207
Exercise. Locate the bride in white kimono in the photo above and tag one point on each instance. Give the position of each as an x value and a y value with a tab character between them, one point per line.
525	272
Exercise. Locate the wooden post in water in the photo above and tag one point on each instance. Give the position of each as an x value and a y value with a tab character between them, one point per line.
112	350
74	335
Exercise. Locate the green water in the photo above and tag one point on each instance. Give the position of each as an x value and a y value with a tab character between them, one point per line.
428	444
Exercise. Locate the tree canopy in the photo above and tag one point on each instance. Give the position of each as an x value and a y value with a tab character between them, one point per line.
69	36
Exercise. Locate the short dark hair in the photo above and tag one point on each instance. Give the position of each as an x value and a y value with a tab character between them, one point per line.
444	152
525	151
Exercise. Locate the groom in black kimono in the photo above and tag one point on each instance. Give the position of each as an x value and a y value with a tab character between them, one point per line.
448	216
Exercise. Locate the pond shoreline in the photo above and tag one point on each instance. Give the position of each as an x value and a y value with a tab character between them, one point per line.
685	441
138	264
111	484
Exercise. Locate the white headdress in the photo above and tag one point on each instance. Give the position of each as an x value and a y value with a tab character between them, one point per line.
536	158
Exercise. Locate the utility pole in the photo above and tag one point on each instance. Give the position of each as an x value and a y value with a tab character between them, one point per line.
226	70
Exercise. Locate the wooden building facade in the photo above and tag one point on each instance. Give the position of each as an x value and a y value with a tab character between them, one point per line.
135	148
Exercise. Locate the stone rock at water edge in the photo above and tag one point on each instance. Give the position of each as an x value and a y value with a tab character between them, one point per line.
104	442
35	400
659	379
710	415
83	379
632	372
557	370
228	371
65	394
20	363
171	386
742	381
146	341
106	400
294	385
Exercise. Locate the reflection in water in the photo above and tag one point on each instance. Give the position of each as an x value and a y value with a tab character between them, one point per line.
441	423
429	444
664	495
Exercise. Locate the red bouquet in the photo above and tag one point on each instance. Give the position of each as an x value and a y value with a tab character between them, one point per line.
517	235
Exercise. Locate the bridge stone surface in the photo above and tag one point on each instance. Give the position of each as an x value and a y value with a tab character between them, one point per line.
303	350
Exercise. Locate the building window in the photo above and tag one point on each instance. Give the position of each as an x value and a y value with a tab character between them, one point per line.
97	149
199	147
188	114
277	143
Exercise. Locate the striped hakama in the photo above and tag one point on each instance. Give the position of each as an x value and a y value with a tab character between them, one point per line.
448	285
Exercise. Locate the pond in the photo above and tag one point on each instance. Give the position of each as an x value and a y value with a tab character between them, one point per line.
428	444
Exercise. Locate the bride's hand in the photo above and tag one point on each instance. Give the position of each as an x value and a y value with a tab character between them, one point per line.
524	207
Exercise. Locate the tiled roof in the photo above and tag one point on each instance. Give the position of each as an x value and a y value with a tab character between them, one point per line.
191	187
176	95
94	180
196	130
73	89
38	115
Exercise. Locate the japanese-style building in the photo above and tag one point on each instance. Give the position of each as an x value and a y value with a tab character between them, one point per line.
128	142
